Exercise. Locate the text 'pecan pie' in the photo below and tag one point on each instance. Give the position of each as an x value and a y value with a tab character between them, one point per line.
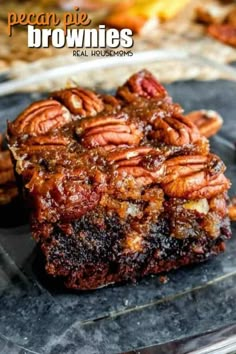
118	186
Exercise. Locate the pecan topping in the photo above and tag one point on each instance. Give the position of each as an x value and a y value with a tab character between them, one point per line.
114	134
40	117
194	177
89	123
135	163
79	101
226	33
142	84
105	131
128	154
208	122
63	196
175	131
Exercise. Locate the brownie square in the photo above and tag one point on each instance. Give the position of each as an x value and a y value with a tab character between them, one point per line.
118	186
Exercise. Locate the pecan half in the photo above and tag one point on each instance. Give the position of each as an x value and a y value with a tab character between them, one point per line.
208	122
62	196
104	131
40	117
175	131
142	84
79	101
135	163
194	177
225	33
90	123
114	134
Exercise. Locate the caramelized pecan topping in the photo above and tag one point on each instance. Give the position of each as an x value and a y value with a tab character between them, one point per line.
142	84
128	154
79	101
208	122
136	148
215	186
63	196
194	177
110	102
39	118
104	131
135	162
175	131
90	123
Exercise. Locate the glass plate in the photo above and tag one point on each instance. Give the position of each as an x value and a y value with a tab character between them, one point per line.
38	315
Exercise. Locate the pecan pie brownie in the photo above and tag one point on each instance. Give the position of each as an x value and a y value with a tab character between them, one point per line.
118	186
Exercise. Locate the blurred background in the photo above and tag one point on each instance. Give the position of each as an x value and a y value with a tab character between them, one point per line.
200	28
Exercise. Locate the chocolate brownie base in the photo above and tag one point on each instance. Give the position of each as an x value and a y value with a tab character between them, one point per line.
93	254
